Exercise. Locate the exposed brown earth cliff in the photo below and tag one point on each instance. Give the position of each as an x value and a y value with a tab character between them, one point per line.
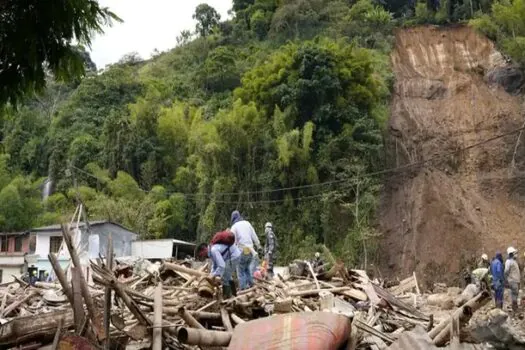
439	216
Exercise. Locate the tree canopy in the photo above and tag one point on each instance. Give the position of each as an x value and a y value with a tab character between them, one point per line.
38	37
278	112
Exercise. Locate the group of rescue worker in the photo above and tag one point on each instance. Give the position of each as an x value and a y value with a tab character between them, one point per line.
499	274
240	255
237	249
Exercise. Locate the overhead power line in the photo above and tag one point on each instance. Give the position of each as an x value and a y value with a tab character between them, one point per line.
348	181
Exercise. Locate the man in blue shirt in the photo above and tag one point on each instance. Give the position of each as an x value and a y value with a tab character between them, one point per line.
498	279
225	260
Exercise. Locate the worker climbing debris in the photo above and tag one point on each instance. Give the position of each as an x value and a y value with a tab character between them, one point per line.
270	249
225	256
247	241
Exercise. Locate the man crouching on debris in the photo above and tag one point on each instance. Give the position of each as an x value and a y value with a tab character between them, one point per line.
224	256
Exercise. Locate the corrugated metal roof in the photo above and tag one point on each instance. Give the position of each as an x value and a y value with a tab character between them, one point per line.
81	224
14	233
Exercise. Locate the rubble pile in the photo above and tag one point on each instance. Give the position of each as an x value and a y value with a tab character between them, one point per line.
174	305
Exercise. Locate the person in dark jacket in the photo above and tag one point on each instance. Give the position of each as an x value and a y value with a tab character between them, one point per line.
498	279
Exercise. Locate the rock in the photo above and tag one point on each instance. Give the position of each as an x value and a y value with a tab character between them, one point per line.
453	291
447	304
440	288
496	329
439	299
468	293
510	78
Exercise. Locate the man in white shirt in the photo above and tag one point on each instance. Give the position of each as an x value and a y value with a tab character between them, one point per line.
246	239
512	275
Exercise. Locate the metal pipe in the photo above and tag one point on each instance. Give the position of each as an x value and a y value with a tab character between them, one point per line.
203	337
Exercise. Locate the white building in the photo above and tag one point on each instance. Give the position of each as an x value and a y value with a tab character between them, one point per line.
91	241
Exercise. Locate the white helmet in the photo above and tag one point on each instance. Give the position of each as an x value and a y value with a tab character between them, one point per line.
484	257
317	254
268	225
511	250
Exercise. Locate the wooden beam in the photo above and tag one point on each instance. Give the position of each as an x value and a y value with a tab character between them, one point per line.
107	291
157	319
94	316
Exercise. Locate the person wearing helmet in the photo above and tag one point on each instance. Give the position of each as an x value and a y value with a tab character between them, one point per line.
270	248
512	276
33	278
484	262
318	263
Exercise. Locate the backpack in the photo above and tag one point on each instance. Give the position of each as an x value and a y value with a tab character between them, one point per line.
223	237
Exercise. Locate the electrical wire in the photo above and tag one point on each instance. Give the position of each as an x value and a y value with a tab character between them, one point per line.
347	181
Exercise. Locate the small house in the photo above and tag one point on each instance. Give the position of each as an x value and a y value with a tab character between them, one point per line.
93	243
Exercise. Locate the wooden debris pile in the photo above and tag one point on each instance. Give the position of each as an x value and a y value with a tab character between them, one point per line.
175	306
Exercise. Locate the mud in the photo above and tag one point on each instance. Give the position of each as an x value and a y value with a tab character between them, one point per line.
437	217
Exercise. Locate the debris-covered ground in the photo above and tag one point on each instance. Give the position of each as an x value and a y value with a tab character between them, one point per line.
171	304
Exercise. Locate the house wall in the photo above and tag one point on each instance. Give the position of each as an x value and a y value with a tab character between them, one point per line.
43	264
9	271
11	265
153	249
43	240
11	239
121	237
11	243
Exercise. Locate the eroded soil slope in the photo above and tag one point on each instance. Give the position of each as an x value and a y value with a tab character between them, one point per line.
437	216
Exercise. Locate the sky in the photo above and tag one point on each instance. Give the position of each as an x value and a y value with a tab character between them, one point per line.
148	25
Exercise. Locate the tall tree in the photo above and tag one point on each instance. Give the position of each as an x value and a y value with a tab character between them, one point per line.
207	18
37	36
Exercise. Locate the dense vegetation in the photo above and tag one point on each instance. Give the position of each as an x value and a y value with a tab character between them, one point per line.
278	112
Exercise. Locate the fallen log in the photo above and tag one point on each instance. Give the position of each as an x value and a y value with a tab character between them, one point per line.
34	328
236	319
107	290
189	319
157	319
474	303
93	313
183	269
316	291
226	320
61	276
203	337
460	320
17	303
203	315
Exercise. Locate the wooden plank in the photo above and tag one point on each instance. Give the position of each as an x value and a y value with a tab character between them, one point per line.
370	330
417	286
61	276
392	300
316	291
157	319
226	320
78	305
107	291
95	316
